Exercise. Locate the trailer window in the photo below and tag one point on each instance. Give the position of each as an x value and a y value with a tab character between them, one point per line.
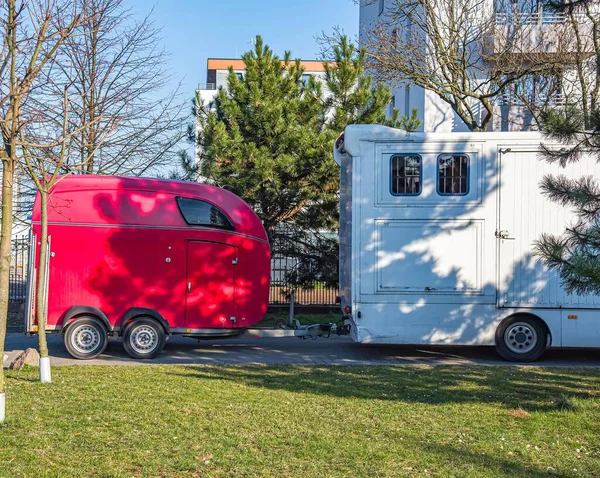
202	213
406	175
453	175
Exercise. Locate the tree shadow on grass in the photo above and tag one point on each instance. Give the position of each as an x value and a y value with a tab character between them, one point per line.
15	375
515	387
482	461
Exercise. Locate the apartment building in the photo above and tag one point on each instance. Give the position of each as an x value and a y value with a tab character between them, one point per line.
217	71
511	31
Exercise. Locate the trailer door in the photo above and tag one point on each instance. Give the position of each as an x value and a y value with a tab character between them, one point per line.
210	285
524	215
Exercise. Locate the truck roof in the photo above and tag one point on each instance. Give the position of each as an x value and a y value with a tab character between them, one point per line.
103	200
355	133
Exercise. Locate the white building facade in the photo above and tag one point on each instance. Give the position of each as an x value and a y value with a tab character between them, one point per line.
538	36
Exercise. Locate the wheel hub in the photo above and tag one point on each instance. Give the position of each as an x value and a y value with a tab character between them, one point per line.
521	338
144	339
86	339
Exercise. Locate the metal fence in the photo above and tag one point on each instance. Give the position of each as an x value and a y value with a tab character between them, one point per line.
18	268
284	268
296	267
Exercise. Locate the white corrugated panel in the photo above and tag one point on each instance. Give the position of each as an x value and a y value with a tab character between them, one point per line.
524	215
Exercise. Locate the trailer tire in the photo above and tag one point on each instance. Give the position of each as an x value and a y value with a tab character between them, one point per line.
144	338
86	338
521	338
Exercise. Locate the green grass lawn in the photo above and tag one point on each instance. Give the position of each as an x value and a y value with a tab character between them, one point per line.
259	421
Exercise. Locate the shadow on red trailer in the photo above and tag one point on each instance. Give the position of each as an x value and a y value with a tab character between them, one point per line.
147	258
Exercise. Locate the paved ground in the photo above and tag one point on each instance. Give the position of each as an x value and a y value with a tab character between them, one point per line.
332	351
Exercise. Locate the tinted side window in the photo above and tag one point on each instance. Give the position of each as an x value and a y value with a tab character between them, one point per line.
406	175
453	175
201	213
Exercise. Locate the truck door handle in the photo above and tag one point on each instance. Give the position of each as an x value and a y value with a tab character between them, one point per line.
503	235
189	286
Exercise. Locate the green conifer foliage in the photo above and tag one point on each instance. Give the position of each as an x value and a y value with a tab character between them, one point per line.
266	141
269	136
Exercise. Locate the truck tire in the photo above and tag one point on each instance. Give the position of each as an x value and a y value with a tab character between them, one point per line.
521	338
86	338
144	338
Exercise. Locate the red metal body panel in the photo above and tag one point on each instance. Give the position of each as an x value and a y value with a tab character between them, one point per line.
118	243
211	280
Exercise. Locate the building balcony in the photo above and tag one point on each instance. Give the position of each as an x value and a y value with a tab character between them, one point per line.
207	86
540	36
534	99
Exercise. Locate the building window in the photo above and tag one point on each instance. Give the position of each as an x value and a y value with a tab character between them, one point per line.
240	76
201	213
453	175
381	6
406	175
305	79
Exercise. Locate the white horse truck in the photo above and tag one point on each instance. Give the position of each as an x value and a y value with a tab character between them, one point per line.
436	241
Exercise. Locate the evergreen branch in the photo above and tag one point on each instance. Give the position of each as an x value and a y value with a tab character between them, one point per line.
581	193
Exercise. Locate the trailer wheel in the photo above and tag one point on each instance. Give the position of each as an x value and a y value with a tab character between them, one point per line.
521	338
144	338
86	338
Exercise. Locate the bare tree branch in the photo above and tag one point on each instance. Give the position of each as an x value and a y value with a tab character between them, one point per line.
465	52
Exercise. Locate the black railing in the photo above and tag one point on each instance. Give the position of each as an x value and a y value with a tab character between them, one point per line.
306	264
18	269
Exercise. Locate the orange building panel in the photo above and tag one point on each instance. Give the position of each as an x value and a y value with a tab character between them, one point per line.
225	63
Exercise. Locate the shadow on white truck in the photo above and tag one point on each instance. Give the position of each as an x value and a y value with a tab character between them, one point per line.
436	238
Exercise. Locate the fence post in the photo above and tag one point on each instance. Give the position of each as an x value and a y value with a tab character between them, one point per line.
291	320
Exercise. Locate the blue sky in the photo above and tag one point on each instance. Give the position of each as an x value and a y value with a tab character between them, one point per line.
194	30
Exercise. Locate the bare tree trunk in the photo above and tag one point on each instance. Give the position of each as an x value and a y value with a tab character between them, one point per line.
8	172
8	169
92	106
40	306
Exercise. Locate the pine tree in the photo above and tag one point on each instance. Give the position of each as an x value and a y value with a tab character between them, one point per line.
354	99
269	138
270	135
575	254
266	141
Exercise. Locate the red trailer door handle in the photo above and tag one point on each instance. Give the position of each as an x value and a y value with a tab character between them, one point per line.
189	286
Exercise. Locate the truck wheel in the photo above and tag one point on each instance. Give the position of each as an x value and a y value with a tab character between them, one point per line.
86	338
521	339
144	338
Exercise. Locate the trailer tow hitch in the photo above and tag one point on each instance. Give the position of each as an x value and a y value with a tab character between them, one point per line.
313	331
324	330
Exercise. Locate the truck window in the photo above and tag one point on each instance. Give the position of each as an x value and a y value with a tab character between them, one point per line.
406	175
201	213
453	175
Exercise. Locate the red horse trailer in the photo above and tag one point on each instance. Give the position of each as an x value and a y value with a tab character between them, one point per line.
144	259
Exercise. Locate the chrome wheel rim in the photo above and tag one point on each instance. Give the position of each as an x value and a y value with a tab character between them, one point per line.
86	339
520	338
143	339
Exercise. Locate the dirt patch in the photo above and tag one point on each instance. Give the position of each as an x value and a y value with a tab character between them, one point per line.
518	413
